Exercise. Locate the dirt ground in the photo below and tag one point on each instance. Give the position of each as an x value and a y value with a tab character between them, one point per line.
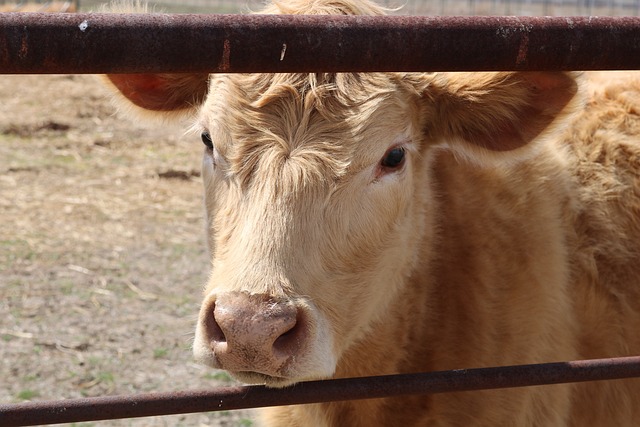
102	250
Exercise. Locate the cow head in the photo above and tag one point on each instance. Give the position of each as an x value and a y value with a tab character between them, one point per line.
318	197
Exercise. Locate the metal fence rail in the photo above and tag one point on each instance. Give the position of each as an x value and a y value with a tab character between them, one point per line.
227	398
101	43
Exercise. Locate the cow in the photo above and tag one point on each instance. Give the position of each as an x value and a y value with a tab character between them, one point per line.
381	223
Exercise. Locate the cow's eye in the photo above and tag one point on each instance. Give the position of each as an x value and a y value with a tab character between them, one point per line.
206	140
393	159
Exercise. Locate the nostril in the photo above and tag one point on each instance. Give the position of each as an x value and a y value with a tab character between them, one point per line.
289	342
214	331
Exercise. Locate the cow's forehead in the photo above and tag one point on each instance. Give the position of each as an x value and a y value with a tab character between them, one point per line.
335	97
321	118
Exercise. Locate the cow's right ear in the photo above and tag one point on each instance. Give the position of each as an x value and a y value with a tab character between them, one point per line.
161	93
497	114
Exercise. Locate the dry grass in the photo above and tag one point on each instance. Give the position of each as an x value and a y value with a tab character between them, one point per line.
102	252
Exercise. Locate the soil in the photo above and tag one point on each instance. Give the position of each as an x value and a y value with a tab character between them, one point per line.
102	250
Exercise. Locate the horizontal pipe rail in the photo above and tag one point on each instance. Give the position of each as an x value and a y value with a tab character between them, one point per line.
241	397
38	43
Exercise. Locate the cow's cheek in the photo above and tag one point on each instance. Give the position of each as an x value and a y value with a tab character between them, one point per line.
365	274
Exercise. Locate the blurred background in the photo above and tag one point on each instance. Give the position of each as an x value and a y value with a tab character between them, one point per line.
407	7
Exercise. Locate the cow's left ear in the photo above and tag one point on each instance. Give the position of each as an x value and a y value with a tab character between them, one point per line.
161	93
496	111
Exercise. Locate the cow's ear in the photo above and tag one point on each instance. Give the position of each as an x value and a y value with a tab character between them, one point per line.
496	112
161	93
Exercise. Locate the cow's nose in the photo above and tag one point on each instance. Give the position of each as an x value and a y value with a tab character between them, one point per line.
255	333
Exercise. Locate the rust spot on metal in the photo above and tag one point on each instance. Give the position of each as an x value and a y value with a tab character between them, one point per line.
24	46
226	53
523	50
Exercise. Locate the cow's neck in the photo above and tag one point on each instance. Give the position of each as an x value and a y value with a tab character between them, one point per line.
384	352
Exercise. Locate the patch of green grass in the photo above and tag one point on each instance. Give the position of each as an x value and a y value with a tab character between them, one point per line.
27	394
160	353
180	249
94	360
218	376
184	305
63	159
66	287
71	374
13	250
105	377
31	377
245	422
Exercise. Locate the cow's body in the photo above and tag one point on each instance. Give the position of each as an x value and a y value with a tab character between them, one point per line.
393	223
536	261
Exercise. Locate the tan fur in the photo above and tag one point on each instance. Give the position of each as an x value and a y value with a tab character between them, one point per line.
510	235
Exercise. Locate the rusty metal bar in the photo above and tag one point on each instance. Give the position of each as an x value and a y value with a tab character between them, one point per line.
133	43
241	397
